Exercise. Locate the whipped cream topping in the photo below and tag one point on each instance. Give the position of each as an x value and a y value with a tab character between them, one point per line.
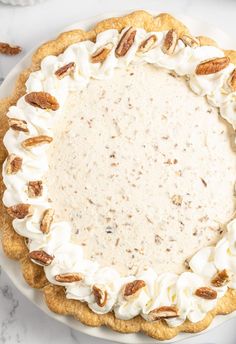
161	290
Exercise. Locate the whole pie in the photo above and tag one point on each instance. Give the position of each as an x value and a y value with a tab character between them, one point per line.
119	176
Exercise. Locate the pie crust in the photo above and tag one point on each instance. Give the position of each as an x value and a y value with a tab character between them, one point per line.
14	245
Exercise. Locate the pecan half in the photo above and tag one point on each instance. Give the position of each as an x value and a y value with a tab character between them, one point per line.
125	42
101	53
18	125
69	277
100	294
133	287
68	69
147	44
221	278
41	257
212	66
190	41
206	293
232	81
177	200
46	220
20	211
42	100
170	42
35	188
164	312
8	49
13	164
36	141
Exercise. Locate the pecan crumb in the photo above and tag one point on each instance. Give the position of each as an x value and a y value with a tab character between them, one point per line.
164	312
177	200
204	182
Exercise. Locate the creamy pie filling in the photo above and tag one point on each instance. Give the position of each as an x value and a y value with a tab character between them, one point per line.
144	170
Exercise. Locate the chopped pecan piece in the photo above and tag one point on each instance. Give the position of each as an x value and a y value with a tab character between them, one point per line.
101	53
232	81
18	124
69	277
35	188
164	312
190	41
206	293
133	287
20	211
177	200
41	257
100	295
42	100
147	44
212	66
36	141
8	49
46	220
13	164
125	42
221	278
170	42
68	69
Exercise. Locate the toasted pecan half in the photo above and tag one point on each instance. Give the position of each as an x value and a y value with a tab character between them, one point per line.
100	294
7	49
69	277
170	42
63	71
20	211
206	293
46	220
147	44
101	53
164	312
125	42
18	124
42	100
212	66
132	288
41	257
221	278
36	141
13	164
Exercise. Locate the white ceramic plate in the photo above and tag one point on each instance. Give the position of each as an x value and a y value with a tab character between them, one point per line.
12	267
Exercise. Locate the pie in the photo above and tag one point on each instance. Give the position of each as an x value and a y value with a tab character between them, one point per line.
119	176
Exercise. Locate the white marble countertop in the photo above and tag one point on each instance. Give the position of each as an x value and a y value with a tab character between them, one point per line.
20	321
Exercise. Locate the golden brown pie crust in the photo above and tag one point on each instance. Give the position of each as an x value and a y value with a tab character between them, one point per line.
14	245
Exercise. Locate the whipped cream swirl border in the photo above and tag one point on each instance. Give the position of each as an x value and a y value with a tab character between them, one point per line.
167	289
